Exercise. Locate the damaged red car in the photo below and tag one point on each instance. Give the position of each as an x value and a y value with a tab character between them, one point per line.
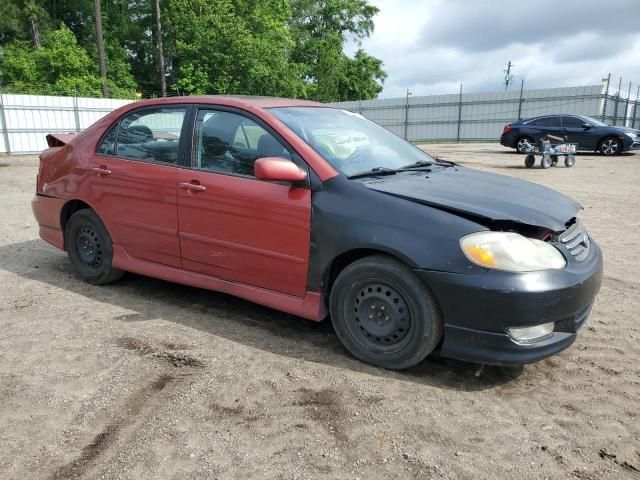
318	212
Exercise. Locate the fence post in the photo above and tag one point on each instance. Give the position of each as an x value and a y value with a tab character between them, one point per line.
635	109
626	107
520	102
459	114
606	97
5	127
615	109
76	110
406	115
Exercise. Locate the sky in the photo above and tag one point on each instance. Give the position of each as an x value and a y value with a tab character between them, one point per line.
431	46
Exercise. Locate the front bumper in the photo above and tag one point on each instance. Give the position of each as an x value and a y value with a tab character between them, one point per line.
477	309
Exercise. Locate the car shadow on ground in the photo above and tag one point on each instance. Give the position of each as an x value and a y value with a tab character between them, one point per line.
141	299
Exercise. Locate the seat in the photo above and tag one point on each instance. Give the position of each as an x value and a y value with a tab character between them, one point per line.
270	147
135	134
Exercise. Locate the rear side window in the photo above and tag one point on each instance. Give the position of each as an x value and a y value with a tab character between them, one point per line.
151	135
572	122
548	122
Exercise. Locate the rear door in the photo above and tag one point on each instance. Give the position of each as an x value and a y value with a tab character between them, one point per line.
133	182
548	125
233	226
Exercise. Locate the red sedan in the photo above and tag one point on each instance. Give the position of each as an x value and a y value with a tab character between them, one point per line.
309	209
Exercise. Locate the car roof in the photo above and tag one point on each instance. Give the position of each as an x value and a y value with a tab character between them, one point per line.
524	120
234	101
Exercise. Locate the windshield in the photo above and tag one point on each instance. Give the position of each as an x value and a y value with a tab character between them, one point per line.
348	141
595	122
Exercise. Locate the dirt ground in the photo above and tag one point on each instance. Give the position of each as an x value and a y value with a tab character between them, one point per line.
148	379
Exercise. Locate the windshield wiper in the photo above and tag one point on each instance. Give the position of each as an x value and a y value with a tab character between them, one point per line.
417	165
373	172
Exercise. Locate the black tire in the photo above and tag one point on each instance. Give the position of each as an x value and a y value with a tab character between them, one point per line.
90	249
546	162
610	146
530	161
383	314
554	160
569	161
522	142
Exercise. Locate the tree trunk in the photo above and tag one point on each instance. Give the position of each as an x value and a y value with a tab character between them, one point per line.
33	20
101	55
163	81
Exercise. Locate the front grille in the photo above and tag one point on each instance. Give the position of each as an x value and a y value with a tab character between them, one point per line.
577	241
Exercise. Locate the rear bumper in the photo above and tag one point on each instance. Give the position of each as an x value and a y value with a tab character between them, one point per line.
47	212
478	309
507	140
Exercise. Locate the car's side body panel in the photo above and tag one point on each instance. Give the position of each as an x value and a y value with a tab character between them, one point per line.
245	230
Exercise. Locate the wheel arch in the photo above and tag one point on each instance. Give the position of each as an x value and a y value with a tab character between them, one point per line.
68	209
346	258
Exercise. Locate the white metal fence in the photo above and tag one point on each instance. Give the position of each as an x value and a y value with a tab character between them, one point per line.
481	116
26	119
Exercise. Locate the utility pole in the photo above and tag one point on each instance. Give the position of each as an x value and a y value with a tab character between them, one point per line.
508	78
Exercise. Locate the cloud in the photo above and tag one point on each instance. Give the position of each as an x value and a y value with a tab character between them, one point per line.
431	46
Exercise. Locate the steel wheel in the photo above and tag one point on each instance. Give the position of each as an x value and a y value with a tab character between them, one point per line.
381	318
524	145
384	314
569	161
610	146
89	247
546	162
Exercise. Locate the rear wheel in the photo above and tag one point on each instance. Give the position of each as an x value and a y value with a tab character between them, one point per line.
554	160
529	161
546	161
610	146
524	144
90	249
569	161
383	314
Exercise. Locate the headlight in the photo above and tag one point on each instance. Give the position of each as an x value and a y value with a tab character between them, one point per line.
511	251
631	134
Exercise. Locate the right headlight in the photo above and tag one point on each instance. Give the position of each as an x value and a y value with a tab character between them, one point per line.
511	251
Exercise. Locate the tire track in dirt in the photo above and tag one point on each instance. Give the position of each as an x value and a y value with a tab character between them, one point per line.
102	441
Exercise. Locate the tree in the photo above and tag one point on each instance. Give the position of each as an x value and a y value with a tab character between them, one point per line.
102	59
163	80
59	67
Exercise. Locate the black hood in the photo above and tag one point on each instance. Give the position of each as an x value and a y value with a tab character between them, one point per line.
486	195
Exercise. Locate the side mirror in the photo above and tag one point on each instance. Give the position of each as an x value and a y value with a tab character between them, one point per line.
277	169
586	125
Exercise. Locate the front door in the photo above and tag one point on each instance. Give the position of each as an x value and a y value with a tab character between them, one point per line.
133	183
576	132
233	226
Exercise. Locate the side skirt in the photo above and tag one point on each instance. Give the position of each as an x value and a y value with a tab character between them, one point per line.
311	306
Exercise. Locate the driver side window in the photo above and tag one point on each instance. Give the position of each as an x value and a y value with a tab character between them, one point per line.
226	142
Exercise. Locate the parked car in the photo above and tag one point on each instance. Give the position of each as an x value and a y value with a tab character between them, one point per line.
589	133
407	253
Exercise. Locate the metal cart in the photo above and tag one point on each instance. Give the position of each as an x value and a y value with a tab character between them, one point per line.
550	148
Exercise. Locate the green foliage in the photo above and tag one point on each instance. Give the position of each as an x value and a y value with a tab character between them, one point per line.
290	48
60	67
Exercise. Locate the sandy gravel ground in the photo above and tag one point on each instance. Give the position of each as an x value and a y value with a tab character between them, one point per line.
147	379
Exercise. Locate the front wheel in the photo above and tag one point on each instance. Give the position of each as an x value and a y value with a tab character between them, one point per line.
383	314
90	249
546	161
610	146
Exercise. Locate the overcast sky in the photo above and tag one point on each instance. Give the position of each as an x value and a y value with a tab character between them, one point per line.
431	46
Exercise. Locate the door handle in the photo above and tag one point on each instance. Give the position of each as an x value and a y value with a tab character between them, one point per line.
192	186
101	170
